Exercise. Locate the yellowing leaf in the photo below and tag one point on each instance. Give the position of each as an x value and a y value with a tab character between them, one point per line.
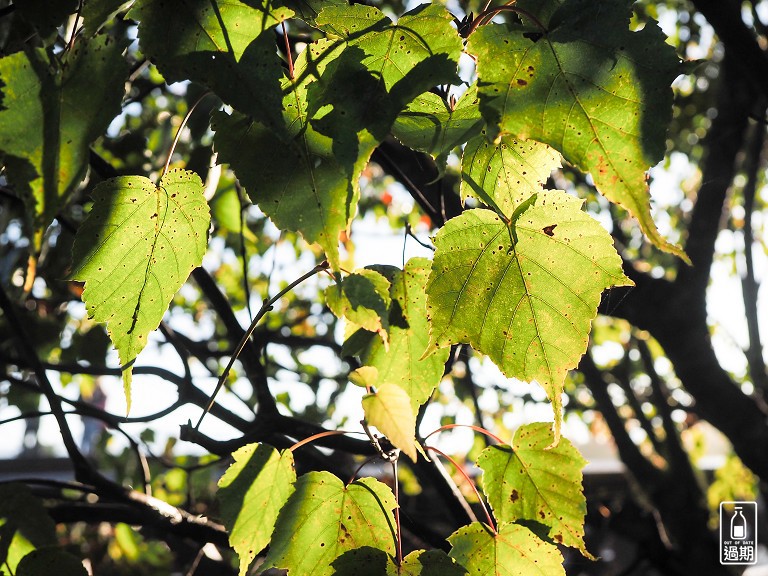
389	409
527	305
365	376
135	250
251	492
589	87
515	550
536	481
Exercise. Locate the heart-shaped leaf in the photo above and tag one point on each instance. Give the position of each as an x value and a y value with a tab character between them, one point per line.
251	492
324	519
589	87
528	305
514	551
137	247
534	480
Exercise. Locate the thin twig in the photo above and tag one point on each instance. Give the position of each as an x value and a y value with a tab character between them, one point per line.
287	50
486	15
178	134
461	471
265	307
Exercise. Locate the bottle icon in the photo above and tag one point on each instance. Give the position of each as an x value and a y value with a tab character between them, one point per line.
738	525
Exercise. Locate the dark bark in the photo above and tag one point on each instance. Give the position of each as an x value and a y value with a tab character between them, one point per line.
675	312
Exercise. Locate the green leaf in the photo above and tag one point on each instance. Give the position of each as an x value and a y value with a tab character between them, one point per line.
298	183
505	174
96	13
536	481
50	119
430	125
135	250
514	551
44	16
323	519
24	525
50	561
401	363
308	10
590	88
251	492
427	563
341	103
387	65
528	306
227	45
363	299
389	409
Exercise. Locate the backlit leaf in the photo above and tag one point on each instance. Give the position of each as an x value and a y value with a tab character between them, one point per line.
401	363
589	87
49	118
324	519
430	125
528	306
363	299
389	409
388	65
227	45
505	174
251	492
536	481
341	103
135	250
514	551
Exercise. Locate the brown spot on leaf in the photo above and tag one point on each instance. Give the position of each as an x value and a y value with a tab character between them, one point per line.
514	496
549	230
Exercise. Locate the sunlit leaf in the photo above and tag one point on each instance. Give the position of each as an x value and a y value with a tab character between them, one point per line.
505	174
389	409
227	45
535	481
527	305
135	250
365	376
514	551
387	64
589	87
324	519
401	363
51	114
251	492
